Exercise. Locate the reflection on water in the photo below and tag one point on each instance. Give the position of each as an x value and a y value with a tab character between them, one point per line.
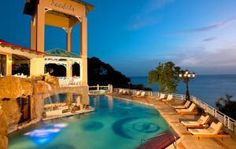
46	134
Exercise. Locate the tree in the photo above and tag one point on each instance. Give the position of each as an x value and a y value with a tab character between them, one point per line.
226	106
166	76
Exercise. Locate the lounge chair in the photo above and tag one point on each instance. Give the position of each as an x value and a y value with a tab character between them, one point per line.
190	110
162	96
214	130
125	92
203	120
169	99
136	94
120	91
186	105
142	94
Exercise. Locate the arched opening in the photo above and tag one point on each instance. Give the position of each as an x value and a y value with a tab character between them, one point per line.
55	70
76	70
20	65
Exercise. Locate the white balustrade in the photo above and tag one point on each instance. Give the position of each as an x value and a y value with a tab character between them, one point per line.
67	82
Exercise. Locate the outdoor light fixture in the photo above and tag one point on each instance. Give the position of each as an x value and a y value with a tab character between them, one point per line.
186	76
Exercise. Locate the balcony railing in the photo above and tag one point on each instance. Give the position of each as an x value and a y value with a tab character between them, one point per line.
67	82
98	90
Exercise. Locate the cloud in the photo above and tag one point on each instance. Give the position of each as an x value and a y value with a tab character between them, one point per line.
209	39
208	27
223	57
146	17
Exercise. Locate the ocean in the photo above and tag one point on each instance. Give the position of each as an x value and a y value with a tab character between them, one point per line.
208	88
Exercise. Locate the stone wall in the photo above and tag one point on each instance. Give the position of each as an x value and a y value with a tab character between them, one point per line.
12	88
3	130
37	88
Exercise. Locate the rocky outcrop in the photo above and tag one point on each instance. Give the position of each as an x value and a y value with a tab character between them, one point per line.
41	87
12	112
20	86
37	105
3	130
53	81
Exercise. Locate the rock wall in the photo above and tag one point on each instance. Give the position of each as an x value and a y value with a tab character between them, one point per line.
3	130
12	113
14	87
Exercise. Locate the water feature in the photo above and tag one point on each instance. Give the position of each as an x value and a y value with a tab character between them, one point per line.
115	124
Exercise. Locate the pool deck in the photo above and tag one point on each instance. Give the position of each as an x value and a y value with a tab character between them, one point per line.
186	140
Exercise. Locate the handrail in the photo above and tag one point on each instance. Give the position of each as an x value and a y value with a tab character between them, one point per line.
98	90
228	122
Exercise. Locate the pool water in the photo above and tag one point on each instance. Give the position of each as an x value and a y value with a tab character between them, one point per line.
116	124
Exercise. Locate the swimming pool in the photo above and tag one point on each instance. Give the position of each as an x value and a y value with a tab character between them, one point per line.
116	124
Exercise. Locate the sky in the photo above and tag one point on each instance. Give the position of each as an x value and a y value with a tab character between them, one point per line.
134	36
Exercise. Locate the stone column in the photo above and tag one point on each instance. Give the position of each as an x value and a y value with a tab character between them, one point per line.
8	64
69	39
68	69
83	52
33	33
40	22
36	66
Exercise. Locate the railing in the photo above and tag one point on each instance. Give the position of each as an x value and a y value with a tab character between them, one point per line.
98	90
67	82
228	122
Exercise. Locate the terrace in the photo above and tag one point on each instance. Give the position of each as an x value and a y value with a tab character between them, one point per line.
186	139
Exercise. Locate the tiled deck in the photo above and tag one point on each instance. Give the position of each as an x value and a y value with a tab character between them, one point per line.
186	140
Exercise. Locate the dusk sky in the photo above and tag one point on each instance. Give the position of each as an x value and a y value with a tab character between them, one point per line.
135	35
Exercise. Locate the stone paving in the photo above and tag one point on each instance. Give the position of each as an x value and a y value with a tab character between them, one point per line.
186	140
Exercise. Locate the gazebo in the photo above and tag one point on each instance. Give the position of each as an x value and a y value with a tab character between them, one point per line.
65	59
63	14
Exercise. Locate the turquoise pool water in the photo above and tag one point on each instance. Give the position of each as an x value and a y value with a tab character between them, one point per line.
116	124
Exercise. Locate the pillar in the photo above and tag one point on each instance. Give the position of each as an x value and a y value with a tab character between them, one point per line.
69	39
68	69
8	64
36	66
83	52
33	34
40	28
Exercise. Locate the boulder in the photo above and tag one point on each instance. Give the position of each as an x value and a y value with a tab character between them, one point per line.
53	81
12	112
3	142
3	130
3	124
41	87
14	87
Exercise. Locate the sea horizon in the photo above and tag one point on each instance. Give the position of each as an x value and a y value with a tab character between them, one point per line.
206	87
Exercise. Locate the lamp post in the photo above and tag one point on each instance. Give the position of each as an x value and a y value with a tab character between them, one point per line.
186	76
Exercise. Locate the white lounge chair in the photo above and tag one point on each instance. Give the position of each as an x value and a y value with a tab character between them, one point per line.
213	131
142	94
137	93
190	110
162	96
169	97
198	123
186	105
